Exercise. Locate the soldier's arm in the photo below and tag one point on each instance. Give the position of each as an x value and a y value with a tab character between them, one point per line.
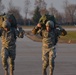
61	31
36	29
20	33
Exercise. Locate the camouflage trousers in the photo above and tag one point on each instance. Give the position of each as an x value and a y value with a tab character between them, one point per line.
8	54
48	56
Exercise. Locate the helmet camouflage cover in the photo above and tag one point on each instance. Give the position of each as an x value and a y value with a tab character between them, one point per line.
50	24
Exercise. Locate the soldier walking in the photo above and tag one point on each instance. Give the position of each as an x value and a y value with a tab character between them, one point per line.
8	50
48	49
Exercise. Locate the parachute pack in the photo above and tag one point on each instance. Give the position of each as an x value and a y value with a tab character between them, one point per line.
10	17
57	29
45	18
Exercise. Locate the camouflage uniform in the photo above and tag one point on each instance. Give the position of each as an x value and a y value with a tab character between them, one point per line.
8	47
48	53
48	49
49	41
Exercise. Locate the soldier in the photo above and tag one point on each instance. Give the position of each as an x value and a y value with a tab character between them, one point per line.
48	41
8	50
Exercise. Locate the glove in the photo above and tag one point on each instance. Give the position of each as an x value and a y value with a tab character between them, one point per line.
63	32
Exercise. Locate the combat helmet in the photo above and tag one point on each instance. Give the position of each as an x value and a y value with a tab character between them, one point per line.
50	24
6	24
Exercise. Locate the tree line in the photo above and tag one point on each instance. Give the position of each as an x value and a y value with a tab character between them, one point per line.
67	17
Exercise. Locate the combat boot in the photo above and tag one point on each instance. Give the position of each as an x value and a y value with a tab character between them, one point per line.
44	72
6	72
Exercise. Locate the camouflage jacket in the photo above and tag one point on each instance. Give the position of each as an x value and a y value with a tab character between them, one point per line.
48	40
9	38
58	31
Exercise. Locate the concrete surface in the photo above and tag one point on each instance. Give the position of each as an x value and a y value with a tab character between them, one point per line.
28	59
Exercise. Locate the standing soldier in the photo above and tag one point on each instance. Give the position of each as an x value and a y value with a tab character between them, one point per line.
8	36
48	42
49	39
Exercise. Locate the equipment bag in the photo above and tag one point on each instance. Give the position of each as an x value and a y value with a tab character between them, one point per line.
10	17
45	18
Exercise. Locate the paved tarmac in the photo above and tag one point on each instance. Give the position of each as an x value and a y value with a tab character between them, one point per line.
67	29
28	59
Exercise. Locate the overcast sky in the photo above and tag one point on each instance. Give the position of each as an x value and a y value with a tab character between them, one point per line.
58	4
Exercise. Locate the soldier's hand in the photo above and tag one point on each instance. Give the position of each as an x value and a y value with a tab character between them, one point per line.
63	32
39	25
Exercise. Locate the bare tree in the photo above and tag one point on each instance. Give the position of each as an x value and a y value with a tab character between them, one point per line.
1	7
65	5
70	11
15	11
53	10
42	6
27	7
40	3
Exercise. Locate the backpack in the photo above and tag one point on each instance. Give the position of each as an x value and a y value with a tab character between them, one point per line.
45	18
10	17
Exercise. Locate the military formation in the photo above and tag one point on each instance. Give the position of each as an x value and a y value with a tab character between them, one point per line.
46	28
